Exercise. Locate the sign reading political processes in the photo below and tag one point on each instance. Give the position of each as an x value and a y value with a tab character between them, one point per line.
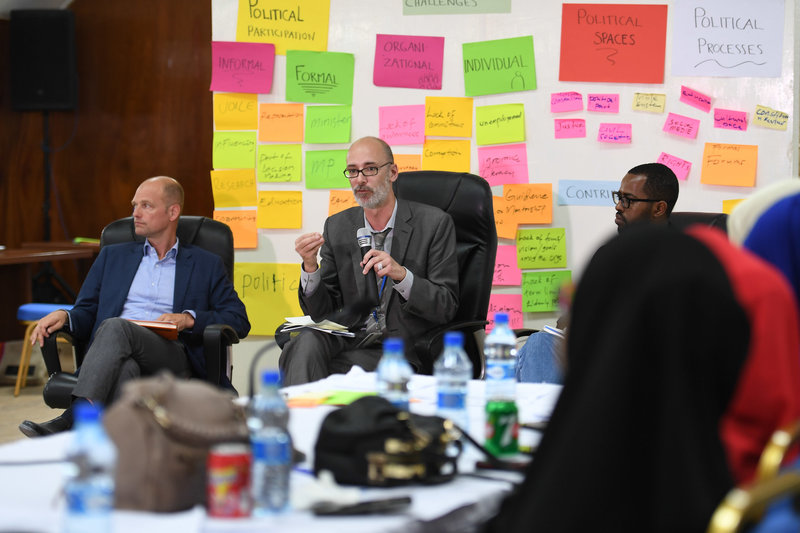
242	67
289	24
408	61
734	38
462	7
540	289
729	164
500	66
542	248
279	162
613	43
319	77
243	226
586	192
269	292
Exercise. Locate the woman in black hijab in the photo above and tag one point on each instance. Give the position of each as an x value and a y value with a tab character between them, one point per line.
656	344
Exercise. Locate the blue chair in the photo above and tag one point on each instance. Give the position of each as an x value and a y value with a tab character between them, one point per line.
30	314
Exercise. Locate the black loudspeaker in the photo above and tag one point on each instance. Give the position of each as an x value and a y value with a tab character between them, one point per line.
43	72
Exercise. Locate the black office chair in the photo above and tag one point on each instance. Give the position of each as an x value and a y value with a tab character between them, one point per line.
684	219
200	231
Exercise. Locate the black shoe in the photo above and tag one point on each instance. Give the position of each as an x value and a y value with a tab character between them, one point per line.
56	425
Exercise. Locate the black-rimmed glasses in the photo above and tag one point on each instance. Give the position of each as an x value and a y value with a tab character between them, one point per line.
352	173
618	198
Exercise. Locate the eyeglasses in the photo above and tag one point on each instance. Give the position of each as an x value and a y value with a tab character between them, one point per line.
618	198
352	173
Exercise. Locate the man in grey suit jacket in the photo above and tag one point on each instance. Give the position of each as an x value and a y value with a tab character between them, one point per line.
417	271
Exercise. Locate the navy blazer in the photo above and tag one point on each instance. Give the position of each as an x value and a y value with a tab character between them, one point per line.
201	285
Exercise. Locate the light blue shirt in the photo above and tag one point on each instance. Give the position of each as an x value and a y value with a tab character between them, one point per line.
153	288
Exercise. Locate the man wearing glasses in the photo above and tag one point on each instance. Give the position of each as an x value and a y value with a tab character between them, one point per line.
413	256
647	194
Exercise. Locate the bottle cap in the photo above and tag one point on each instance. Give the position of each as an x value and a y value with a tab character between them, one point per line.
86	412
271	377
393	344
501	318
454	338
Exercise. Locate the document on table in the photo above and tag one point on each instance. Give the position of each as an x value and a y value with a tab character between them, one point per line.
326	326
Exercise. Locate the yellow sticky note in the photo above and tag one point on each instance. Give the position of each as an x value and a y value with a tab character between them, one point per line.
650	102
408	162
340	200
269	292
289	24
242	224
728	205
530	203
448	116
280	209
282	123
500	124
234	188
504	221
235	111
445	155
773	119
729	164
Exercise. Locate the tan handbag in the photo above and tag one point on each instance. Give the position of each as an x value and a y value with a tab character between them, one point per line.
163	428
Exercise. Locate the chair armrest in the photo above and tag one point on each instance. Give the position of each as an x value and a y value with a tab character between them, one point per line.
524	332
430	343
217	338
50	350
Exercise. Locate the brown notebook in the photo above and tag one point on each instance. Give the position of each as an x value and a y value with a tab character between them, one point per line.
168	330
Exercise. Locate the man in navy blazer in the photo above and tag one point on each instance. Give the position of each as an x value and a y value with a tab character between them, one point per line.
158	280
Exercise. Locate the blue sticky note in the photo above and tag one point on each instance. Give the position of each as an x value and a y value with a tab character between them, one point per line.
586	192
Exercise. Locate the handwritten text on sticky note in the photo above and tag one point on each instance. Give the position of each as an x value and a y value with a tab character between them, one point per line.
269	292
506	271
540	289
409	61
242	224
570	128
497	124
242	67
290	24
235	111
234	149
695	99
679	166
729	164
682	126
448	116
767	117
340	200
233	188
568	101
615	133
649	102
280	209
402	124
729	119
279	162
542	248
446	155
510	304
602	103
503	164
281	123
530	203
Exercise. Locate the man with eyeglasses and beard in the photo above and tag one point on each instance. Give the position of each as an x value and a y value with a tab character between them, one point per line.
647	194
413	256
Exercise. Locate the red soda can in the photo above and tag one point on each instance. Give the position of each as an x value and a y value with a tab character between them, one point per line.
228	488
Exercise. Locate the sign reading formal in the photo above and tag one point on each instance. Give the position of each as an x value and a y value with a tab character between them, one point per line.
319	77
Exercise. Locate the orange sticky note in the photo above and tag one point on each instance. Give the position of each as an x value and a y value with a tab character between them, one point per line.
408	162
340	200
728	205
530	203
504	222
729	164
280	209
445	155
448	116
243	226
281	123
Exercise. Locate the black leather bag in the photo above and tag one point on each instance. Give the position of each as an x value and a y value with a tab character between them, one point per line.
371	442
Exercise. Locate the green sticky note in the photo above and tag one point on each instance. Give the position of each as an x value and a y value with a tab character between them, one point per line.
328	124
456	8
540	289
501	66
325	169
279	162
542	248
345	397
234	149
319	77
500	124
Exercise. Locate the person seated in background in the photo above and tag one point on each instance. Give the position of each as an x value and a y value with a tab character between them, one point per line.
542	359
413	257
647	193
161	279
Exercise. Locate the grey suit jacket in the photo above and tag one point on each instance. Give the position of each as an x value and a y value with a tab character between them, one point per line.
424	242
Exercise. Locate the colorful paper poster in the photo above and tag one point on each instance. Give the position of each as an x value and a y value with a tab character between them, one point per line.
280	209
729	164
695	99
679	166
736	38
542	248
243	226
498	124
242	67
448	116
282	123
613	43
340	200
773	119
564	102
319	77
269	293
446	155
586	192
602	103
328	124
503	164
409	61
279	162
728	205
510	304
615	133
530	203
402	124
570	128
235	111
499	66
325	169
681	126
649	102
729	119
540	289
290	24
234	149
456	8
233	188
408	162
506	271
504	219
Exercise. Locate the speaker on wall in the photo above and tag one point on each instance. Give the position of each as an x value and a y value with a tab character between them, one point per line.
43	71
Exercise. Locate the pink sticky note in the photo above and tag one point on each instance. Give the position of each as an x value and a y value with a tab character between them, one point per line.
682	126
603	103
402	124
679	166
729	119
242	67
570	128
408	61
615	133
505	163
569	101
506	271
695	99
505	303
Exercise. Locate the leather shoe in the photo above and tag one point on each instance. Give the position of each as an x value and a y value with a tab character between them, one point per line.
56	425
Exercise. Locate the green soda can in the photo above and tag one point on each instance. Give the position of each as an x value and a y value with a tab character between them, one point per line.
502	428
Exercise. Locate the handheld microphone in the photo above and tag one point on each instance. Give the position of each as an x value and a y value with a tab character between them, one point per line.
365	243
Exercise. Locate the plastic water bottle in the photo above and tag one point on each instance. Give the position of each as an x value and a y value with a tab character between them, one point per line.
394	373
502	423
268	422
89	488
452	371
